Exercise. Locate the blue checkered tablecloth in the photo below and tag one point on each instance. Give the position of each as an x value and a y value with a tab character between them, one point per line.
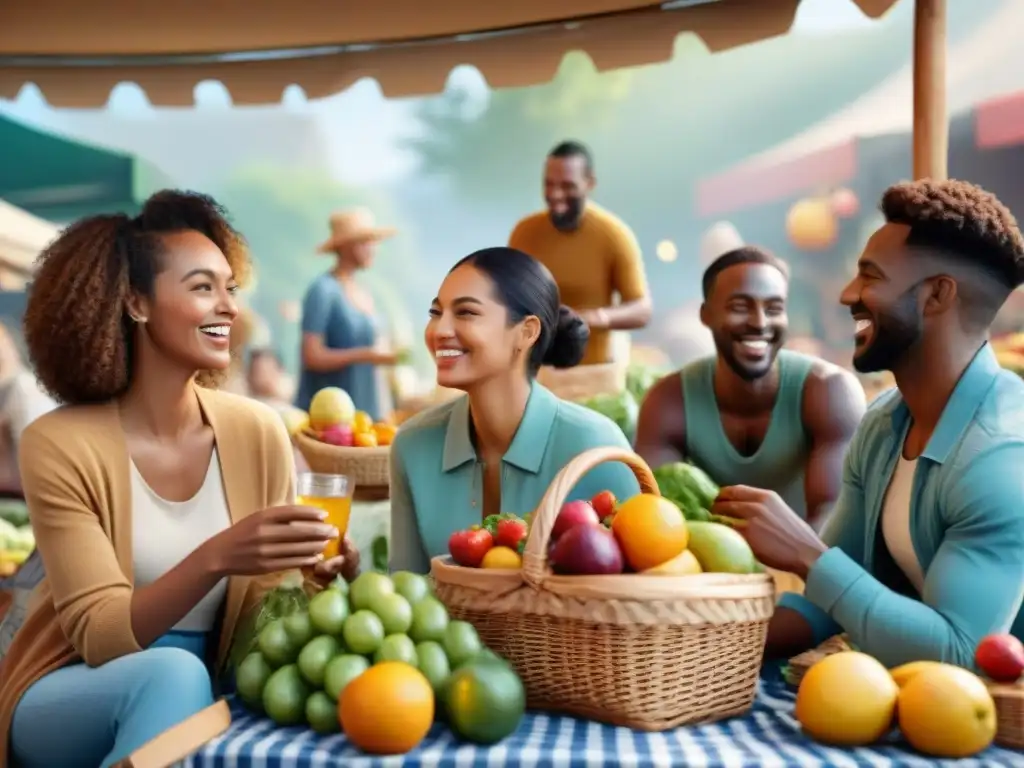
768	736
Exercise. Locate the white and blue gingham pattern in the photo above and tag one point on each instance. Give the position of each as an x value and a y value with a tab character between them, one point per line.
766	736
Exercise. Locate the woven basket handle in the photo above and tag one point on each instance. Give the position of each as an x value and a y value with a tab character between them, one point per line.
535	556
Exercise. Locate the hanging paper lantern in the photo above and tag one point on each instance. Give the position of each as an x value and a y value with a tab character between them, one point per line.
845	204
667	251
811	225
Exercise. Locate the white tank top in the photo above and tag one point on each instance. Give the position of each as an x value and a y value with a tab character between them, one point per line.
896	522
165	532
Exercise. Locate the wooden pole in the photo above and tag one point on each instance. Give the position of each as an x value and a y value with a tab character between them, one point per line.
931	123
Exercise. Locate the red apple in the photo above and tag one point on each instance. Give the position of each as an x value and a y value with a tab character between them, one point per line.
338	434
574	513
587	550
1000	657
604	504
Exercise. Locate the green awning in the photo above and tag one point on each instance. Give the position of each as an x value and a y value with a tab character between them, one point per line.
60	179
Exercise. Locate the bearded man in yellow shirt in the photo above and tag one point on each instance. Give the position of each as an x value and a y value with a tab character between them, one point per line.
592	254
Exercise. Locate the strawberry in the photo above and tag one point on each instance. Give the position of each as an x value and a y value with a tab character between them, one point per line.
510	532
604	504
468	547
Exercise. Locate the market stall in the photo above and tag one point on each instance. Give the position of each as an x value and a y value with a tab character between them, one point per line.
617	642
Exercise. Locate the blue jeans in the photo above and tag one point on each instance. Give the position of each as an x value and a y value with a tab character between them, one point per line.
94	716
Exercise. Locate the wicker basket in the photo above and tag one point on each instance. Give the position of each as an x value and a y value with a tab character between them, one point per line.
584	381
369	469
1009	697
646	652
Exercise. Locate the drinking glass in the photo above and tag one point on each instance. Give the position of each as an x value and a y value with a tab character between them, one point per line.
332	494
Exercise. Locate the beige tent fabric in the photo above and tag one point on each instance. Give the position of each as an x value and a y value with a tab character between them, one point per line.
408	46
22	237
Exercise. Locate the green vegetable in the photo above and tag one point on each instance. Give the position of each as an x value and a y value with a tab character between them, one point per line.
14	512
689	488
681	475
621	408
278	603
379	554
789	675
640	378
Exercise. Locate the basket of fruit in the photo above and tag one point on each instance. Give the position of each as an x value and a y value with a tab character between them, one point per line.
341	440
642	620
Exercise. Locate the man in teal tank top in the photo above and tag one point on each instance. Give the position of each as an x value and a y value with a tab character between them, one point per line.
754	414
924	554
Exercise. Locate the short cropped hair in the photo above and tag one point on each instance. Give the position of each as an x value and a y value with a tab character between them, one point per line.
747	254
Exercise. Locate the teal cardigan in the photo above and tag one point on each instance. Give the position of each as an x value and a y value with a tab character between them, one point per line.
437	480
967	527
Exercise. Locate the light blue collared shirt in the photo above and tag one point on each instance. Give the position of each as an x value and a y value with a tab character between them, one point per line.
437	480
966	524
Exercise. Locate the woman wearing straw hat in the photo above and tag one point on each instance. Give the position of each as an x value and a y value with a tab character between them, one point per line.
338	328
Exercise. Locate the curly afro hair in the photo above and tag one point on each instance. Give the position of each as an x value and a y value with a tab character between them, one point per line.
77	329
960	219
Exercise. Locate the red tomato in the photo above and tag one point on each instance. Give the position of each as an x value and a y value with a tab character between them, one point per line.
469	547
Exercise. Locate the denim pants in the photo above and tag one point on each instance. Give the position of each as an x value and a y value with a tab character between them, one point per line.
94	716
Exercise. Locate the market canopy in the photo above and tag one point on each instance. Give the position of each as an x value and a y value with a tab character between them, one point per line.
76	52
989	62
60	179
22	237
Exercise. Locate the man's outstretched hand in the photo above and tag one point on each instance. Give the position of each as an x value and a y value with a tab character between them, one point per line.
780	538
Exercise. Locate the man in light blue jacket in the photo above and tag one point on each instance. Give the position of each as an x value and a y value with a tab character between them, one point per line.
924	555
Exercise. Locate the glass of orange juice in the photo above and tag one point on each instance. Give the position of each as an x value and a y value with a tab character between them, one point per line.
332	494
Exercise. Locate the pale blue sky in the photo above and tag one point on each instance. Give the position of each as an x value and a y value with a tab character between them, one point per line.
365	146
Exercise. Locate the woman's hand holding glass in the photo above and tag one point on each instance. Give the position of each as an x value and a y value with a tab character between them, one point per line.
272	540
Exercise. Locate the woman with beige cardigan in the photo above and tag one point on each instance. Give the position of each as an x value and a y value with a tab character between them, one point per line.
161	507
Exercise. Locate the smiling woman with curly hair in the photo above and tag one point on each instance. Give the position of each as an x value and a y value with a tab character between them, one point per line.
153	497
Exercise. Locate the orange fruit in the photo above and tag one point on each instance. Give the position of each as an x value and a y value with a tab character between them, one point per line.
847	699
651	531
388	709
364	440
385	433
947	711
362	422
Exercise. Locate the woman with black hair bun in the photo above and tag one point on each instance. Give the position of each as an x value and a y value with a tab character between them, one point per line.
496	320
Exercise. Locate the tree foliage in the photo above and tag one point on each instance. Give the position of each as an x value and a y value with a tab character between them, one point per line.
493	151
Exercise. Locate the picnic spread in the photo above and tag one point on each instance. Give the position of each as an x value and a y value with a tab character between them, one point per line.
587	633
767	735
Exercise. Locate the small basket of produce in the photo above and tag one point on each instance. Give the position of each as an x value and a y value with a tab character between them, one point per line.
640	619
16	539
941	709
341	440
584	381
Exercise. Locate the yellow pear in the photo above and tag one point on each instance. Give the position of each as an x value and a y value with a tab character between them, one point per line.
683	564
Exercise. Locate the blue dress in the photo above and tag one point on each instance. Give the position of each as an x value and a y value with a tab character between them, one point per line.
328	312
